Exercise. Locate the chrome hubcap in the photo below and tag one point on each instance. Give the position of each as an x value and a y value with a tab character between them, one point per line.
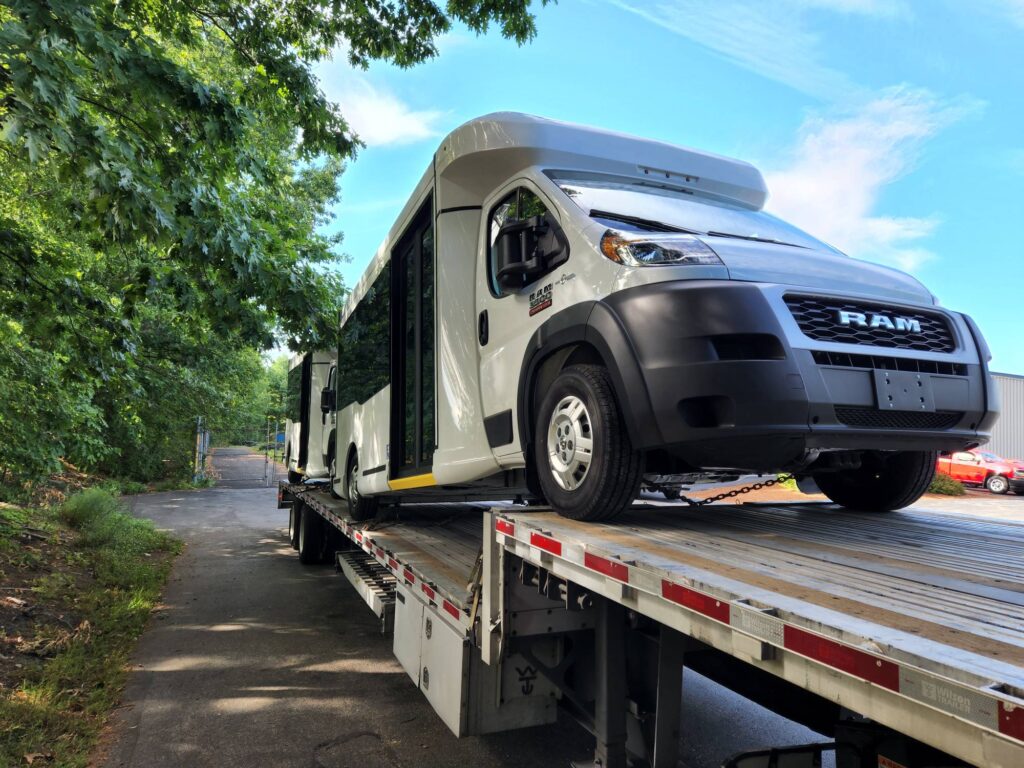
353	485
570	443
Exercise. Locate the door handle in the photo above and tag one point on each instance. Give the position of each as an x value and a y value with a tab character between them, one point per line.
483	328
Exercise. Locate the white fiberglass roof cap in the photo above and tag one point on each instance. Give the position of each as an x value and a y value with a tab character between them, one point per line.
505	142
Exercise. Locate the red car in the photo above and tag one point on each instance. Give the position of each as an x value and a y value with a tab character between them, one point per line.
984	469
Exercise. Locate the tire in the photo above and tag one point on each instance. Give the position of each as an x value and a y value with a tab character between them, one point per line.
997	484
585	485
312	537
293	477
884	482
359	507
294	513
332	469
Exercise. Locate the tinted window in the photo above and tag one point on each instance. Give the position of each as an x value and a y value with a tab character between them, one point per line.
427	334
293	406
364	353
517	206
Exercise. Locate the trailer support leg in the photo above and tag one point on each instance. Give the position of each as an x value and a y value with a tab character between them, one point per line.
671	651
610	705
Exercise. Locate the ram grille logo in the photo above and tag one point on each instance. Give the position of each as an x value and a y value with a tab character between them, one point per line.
866	320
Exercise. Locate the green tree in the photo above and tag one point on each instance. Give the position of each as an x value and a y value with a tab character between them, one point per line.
169	166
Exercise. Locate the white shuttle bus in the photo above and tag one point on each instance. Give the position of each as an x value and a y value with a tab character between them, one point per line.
570	314
309	429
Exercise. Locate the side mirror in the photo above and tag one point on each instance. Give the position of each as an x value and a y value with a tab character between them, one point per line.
526	249
328	400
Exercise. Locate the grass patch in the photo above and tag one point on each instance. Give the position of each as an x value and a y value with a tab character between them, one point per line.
88	576
946	486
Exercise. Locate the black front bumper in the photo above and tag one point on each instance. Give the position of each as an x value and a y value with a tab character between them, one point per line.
717	382
1017	484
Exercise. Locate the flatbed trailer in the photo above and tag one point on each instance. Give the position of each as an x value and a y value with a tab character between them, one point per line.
901	635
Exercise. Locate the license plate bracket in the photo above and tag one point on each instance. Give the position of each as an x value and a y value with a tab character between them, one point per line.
904	391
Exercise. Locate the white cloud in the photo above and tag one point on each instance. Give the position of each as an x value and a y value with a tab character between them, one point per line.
1009	9
772	39
378	116
880	8
832	180
375	113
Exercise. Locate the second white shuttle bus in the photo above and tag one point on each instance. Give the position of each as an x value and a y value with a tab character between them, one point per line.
309	429
570	313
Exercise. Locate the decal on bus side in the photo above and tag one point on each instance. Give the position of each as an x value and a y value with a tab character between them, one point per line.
540	299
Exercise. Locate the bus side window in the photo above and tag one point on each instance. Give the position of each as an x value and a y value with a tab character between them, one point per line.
520	204
364	351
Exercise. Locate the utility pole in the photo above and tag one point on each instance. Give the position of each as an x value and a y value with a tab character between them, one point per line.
202	444
266	456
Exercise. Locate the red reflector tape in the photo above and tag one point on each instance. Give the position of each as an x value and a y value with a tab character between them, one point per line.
850	660
392	564
454	611
540	541
504	526
409	576
380	551
608	567
359	537
1011	720
697	601
427	591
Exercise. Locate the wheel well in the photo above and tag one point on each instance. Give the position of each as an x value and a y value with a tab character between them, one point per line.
547	370
349	457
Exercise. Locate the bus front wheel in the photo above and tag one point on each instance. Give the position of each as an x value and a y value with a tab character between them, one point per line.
586	464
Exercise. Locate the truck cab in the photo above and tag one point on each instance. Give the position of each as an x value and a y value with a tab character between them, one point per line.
979	468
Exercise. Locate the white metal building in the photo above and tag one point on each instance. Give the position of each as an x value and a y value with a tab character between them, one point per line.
1008	433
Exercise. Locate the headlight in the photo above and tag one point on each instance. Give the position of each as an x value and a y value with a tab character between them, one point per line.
641	249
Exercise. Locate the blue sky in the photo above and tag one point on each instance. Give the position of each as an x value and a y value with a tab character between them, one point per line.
893	130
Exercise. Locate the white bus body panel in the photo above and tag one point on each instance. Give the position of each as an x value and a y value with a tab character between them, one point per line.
292	429
463	453
319	424
365	427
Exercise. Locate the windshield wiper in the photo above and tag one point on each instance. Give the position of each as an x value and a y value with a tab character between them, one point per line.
755	239
648	224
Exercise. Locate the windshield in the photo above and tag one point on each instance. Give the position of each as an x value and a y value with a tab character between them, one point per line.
641	207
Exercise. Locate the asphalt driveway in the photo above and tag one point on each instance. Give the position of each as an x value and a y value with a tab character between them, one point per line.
256	660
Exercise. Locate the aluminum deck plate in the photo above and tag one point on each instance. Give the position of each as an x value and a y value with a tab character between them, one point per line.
910	614
430	547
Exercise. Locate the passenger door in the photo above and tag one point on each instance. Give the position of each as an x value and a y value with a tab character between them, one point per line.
507	319
329	419
413	436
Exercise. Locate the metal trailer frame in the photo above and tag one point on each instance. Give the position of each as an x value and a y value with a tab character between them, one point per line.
958	702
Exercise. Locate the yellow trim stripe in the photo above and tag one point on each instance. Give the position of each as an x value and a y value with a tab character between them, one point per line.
416	481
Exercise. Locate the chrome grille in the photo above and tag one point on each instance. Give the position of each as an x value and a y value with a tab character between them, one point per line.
818	318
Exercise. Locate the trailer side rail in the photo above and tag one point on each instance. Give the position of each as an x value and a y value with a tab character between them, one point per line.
978	719
455	608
